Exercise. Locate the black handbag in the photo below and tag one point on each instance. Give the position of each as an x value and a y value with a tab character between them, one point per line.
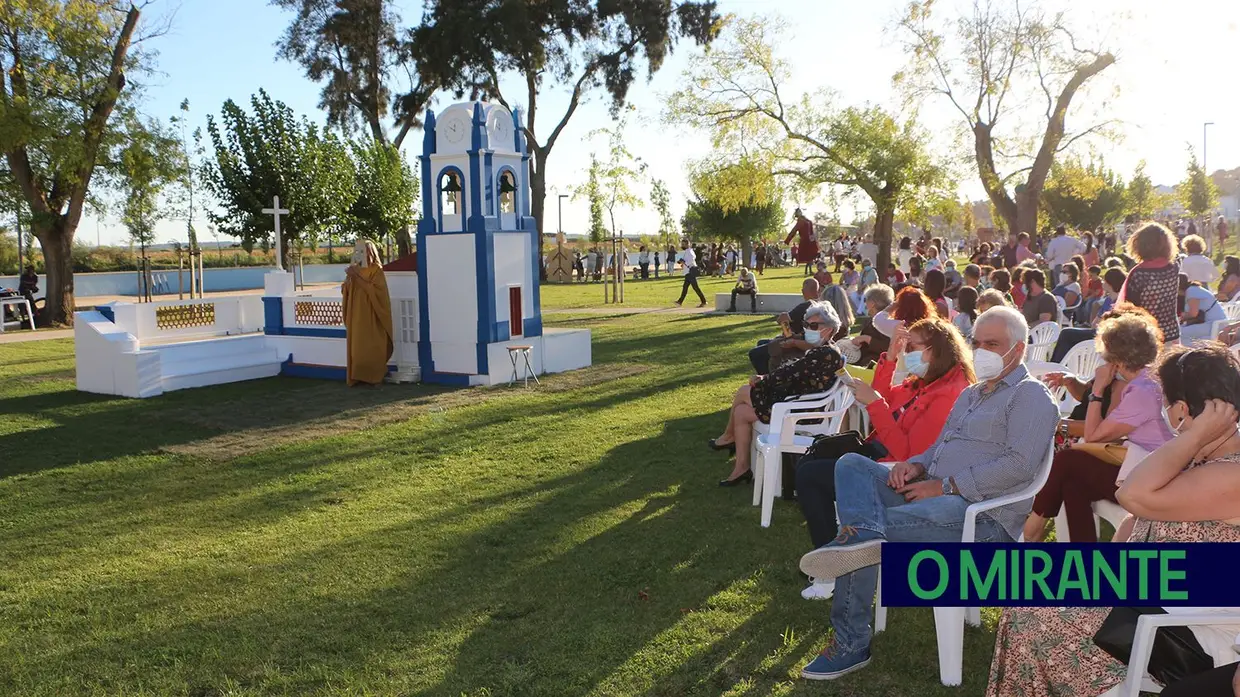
831	446
1176	654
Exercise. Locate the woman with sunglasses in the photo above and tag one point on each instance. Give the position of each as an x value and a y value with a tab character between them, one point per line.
813	372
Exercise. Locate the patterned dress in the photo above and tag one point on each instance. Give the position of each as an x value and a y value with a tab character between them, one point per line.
1050	651
813	372
1157	290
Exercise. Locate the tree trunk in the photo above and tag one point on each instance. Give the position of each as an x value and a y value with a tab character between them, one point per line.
56	240
538	195
884	218
746	250
1027	210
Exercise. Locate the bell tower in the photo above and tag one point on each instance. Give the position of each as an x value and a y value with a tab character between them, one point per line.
477	247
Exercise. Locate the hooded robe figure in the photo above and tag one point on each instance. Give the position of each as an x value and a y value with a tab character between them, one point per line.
367	316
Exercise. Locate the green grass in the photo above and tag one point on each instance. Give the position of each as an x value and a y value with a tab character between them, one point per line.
664	291
295	537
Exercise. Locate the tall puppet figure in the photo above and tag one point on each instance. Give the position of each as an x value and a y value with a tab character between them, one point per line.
367	316
807	251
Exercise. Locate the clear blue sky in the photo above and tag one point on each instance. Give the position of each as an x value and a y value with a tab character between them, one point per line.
1177	69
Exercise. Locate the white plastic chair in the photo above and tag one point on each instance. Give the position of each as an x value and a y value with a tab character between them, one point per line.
1232	310
1113	513
789	433
1137	679
949	621
1082	360
1042	338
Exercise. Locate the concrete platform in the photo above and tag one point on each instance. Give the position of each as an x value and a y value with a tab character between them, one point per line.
769	303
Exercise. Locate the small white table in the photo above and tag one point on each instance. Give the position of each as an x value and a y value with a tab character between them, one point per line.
20	302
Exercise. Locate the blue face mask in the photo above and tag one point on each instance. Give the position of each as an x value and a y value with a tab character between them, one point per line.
813	336
915	364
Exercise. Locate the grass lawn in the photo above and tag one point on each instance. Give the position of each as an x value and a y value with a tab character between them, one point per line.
295	537
664	291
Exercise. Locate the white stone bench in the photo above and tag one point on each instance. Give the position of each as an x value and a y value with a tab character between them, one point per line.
773	303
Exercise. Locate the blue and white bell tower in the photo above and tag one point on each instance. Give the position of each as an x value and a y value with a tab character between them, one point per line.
477	247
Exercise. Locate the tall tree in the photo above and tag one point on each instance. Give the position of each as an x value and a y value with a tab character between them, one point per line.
1087	195
592	191
545	45
62	75
387	190
737	91
150	163
662	200
1140	198
736	201
1197	192
613	176
354	48
991	64
187	169
272	153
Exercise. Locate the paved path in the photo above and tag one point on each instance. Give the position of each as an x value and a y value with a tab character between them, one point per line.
16	337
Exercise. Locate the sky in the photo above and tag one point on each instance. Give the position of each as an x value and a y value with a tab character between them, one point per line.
1176	69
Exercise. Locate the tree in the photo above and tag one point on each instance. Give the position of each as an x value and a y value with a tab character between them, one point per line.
1197	192
1085	195
736	91
63	67
272	153
609	180
1140	198
188	167
582	44
150	162
736	201
387	190
662	199
353	47
592	191
1005	57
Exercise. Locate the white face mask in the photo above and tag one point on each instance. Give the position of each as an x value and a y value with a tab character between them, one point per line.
1175	428
813	336
915	363
988	365
1064	279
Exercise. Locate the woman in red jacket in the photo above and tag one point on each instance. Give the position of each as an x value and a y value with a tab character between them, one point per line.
907	418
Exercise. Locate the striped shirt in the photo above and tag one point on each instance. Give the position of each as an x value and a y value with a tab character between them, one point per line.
994	444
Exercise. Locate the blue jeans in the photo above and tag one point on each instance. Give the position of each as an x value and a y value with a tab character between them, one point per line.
864	501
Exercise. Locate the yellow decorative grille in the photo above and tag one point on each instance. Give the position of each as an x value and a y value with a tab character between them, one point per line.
185	316
322	314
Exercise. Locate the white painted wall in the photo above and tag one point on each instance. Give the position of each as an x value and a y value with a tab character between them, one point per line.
512	267
451	357
566	349
453	306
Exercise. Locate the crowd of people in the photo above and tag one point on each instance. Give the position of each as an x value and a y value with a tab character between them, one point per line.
957	417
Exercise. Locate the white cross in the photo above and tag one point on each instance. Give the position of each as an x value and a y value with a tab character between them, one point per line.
276	211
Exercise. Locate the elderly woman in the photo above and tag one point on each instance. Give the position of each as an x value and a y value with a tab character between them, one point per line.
1186	491
813	372
1123	402
872	341
1154	283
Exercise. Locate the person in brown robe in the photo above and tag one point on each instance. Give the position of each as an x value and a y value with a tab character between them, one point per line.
367	316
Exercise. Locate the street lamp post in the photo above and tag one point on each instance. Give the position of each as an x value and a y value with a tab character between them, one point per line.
1204	126
560	206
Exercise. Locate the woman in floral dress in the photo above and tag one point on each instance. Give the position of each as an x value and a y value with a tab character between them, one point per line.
1050	652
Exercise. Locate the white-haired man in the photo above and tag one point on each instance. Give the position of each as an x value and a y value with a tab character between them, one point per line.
993	444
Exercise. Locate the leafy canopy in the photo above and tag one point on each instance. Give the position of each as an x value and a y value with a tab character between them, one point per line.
1085	195
272	153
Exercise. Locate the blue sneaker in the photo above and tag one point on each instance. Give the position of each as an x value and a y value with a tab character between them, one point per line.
853	549
831	663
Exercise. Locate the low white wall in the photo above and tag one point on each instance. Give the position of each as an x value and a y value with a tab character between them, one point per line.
236	315
566	349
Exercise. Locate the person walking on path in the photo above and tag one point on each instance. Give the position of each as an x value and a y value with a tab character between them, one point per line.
689	259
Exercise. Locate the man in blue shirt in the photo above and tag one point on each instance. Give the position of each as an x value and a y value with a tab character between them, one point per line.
994	444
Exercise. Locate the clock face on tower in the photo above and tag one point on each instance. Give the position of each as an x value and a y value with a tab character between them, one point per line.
501	130
454	129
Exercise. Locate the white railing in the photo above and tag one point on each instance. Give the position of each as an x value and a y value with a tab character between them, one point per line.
172	319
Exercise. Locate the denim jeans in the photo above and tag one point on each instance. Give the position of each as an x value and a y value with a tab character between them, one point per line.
864	501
